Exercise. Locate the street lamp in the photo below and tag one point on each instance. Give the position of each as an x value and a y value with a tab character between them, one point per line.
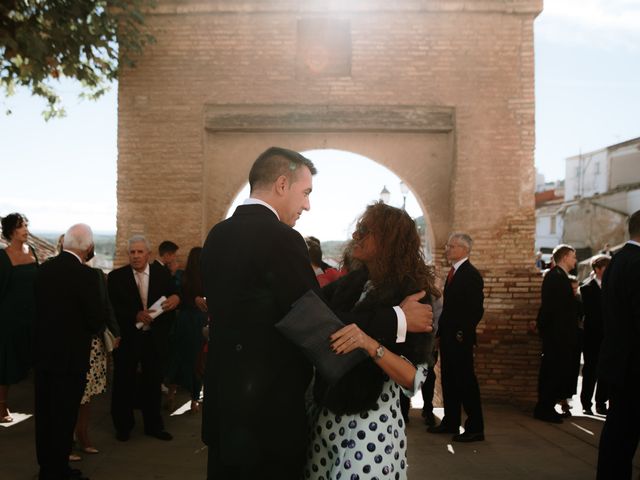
385	195
404	190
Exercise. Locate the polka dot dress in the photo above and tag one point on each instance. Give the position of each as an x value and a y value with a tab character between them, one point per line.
369	445
97	374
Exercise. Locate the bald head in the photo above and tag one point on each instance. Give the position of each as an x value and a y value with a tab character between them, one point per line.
79	239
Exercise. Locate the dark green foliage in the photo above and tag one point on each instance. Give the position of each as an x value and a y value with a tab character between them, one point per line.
87	40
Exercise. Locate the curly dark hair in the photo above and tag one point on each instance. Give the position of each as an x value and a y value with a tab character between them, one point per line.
11	223
399	258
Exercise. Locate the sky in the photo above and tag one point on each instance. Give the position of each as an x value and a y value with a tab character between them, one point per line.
587	55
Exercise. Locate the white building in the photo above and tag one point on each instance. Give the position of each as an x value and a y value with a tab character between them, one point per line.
601	190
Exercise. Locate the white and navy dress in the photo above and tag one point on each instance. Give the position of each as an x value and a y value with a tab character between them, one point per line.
369	445
357	430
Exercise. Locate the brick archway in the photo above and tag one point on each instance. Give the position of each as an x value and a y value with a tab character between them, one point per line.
439	91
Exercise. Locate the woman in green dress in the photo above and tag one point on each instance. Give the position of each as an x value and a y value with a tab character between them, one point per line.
187	338
18	267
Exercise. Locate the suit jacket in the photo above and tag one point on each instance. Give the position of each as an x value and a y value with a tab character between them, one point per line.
558	315
254	267
463	304
592	306
619	361
68	313
126	303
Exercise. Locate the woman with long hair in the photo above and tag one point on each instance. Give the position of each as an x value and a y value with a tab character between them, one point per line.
358	427
187	337
18	268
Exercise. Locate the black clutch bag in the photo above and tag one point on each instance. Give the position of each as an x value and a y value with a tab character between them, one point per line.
308	325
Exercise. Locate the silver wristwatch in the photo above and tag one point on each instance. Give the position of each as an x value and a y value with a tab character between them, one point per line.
379	352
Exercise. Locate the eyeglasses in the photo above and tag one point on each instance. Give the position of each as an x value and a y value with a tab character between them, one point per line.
362	231
450	246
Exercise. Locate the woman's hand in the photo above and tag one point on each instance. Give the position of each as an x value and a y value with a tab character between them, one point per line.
201	303
350	337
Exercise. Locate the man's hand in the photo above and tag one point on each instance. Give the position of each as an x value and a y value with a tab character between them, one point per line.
116	342
144	316
170	303
419	316
201	303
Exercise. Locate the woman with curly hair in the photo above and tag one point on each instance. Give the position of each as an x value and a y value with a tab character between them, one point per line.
18	268
358	427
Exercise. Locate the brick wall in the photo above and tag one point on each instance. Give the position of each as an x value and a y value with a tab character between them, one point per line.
475	57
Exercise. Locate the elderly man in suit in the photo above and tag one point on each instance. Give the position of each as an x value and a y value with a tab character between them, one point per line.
558	326
619	363
145	339
68	314
255	265
591	293
462	311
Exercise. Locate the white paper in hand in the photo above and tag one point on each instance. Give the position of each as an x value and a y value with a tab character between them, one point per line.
157	307
157	310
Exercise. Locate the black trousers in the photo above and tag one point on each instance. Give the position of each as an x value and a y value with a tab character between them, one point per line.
460	385
57	400
591	353
285	467
555	377
428	387
620	434
138	372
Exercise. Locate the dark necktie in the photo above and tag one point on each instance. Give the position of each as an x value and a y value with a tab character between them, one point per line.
450	275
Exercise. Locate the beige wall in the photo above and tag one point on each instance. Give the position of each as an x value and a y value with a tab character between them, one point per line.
178	170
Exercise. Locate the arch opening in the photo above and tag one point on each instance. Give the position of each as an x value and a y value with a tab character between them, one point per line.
345	184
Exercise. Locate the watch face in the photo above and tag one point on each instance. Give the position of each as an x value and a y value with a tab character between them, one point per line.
379	352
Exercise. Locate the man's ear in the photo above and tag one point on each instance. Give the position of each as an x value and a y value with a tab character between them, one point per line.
282	184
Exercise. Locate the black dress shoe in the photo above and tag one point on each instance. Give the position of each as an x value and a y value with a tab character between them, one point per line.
429	419
123	436
601	409
161	435
587	411
467	437
553	416
443	429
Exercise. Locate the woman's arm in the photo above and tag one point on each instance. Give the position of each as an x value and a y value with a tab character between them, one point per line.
351	337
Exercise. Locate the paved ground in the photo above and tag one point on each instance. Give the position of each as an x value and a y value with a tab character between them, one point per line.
516	447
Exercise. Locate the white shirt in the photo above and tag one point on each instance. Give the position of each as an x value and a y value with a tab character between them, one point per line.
74	254
142	281
456	265
401	333
257	201
633	242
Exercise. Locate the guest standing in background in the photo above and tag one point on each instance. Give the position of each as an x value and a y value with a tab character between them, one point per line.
591	292
187	338
69	313
18	268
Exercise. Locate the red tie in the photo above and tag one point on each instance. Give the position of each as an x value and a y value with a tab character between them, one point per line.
450	275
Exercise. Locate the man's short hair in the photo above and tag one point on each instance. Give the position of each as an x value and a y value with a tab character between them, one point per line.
560	251
463	238
136	239
600	261
167	247
274	162
634	224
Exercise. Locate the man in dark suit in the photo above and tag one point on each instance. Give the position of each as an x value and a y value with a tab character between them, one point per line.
462	311
145	339
558	326
255	265
69	313
167	253
619	363
591	295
